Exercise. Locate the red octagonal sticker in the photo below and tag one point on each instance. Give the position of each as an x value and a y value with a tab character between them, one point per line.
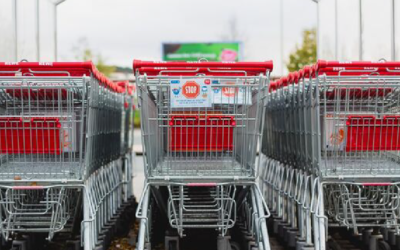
191	89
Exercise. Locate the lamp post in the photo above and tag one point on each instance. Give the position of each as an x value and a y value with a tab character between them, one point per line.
360	45
317	33
281	36
393	42
15	30
56	3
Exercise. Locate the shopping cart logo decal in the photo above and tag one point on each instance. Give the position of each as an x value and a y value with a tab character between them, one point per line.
46	64
191	93
176	91
67	142
335	133
337	138
204	91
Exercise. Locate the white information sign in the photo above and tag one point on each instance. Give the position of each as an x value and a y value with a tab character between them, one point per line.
231	95
191	93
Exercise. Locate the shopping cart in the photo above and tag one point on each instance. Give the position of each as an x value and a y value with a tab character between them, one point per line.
201	120
61	125
332	134
201	131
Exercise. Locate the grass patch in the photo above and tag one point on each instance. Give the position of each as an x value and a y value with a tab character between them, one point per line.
136	119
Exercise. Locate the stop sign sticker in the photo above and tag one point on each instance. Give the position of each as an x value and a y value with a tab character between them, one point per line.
191	90
228	91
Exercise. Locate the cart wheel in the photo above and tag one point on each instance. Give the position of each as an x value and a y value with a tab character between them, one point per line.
235	245
332	245
173	245
383	245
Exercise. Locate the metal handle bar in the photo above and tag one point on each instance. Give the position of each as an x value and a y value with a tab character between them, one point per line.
49	72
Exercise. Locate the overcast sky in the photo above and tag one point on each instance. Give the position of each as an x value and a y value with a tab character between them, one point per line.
125	29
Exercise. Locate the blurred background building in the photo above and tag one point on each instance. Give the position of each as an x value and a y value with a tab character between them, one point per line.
358	29
28	30
112	33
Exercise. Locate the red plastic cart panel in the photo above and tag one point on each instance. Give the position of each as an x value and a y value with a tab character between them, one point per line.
357	93
366	133
33	136
194	133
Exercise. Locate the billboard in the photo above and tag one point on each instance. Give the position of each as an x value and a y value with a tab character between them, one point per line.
219	51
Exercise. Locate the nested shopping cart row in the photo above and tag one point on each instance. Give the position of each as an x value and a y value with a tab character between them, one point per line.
202	125
332	148
63	128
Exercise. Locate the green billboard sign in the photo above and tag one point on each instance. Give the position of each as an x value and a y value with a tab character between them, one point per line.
224	51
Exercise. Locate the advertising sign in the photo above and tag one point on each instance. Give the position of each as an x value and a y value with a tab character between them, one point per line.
224	51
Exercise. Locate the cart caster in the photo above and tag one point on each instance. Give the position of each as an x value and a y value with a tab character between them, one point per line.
172	245
281	230
19	245
366	235
171	242
252	245
332	245
383	245
290	237
224	243
235	245
276	223
302	245
74	245
392	238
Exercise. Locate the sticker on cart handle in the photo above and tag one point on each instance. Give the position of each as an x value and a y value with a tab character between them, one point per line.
190	93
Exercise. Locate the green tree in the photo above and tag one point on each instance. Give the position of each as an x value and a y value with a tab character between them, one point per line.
305	54
103	67
84	53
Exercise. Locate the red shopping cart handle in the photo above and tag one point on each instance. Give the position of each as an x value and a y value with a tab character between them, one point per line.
272	86
45	65
321	64
191	71
58	69
308	71
153	67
